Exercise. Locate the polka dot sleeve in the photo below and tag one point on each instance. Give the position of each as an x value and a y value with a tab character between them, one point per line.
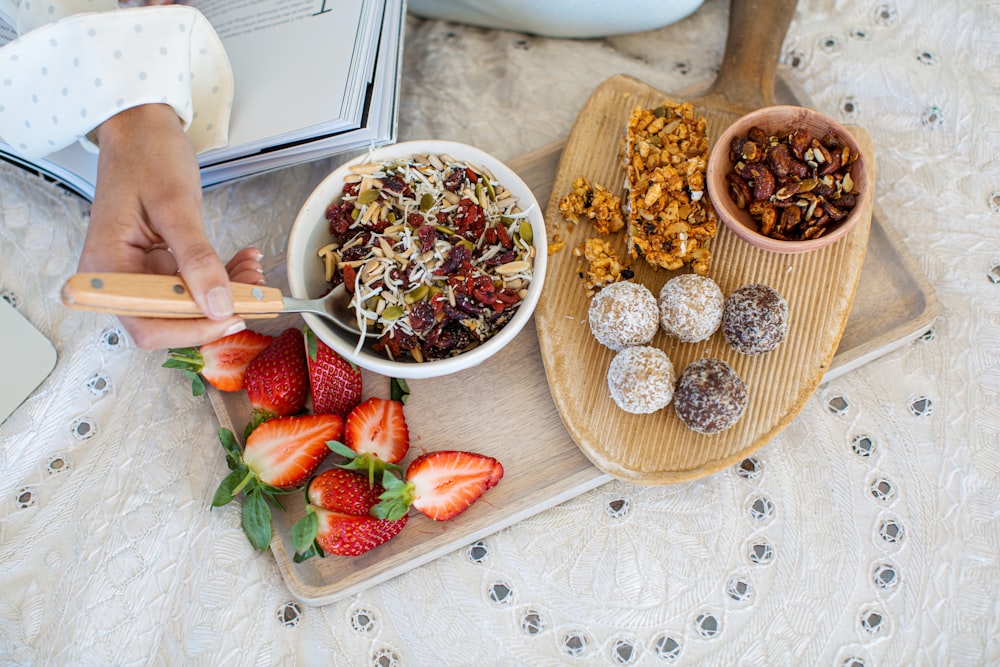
63	79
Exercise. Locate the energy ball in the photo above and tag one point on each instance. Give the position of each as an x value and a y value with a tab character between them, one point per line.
710	396
641	379
623	314
691	307
755	319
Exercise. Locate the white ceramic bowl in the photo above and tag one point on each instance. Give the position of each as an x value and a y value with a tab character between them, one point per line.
310	232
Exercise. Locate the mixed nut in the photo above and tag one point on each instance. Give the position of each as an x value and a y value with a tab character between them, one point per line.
793	185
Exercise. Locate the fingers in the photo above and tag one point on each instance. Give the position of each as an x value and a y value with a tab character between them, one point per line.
154	334
245	267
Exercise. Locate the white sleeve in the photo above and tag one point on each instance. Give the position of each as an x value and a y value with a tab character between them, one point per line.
63	79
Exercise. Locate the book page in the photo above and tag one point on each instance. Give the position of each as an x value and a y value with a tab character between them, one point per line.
291	61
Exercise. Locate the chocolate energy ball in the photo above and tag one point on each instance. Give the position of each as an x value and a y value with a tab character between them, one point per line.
623	314
641	379
710	396
691	307
755	319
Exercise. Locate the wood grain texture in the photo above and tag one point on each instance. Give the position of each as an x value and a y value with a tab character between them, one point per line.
658	449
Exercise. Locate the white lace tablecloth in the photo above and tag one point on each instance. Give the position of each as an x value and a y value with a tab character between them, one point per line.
867	533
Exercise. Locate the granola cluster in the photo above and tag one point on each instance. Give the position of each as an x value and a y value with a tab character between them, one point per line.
595	203
670	220
603	265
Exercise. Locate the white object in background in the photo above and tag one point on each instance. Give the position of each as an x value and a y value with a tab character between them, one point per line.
26	359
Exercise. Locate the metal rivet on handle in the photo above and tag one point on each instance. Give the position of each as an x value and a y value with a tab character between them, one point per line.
257	293
96	283
178	289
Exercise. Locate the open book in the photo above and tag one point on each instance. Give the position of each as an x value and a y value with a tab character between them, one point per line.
313	78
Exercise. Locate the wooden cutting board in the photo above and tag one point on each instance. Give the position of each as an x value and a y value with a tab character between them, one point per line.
818	286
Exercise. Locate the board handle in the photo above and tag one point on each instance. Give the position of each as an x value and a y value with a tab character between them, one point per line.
757	30
152	295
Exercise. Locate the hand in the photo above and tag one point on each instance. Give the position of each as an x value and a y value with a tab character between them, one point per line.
146	218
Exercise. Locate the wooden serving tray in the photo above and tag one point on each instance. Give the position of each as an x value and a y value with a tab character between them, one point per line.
504	408
658	448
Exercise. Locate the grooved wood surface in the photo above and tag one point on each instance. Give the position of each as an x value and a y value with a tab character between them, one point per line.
658	448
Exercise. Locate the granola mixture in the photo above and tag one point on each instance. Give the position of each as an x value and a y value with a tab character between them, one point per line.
603	265
593	202
437	253
670	220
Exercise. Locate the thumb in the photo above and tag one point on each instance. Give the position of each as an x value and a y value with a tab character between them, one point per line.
202	270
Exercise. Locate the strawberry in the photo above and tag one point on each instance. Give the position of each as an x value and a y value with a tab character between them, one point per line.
439	484
376	437
277	380
337	519
334	382
279	455
221	363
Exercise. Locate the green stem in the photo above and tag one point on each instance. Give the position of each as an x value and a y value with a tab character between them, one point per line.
246	480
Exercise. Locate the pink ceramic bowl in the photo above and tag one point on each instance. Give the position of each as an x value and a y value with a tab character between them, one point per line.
779	121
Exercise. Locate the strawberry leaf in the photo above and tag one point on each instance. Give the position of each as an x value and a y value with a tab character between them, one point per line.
190	361
399	390
312	346
225	493
366	463
234	454
257	520
395	500
304	530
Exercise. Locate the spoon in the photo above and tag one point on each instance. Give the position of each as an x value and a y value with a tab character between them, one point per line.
152	295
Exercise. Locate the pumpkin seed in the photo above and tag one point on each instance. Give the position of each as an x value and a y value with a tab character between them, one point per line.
525	232
392	313
368	196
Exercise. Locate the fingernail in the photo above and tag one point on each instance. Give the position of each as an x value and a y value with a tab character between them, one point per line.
235	327
220	304
260	256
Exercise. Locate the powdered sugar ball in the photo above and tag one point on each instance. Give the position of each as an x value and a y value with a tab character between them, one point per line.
755	319
691	307
623	314
641	379
710	396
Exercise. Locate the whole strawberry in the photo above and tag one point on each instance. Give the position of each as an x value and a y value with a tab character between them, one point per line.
277	380
221	363
441	485
279	455
334	382
338	519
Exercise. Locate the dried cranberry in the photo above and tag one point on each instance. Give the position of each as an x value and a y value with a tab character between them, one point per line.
501	258
470	221
421	316
455	180
339	216
456	256
426	234
396	185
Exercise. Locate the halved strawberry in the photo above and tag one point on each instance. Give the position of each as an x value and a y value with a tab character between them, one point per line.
277	380
335	383
279	455
376	437
337	519
439	484
221	363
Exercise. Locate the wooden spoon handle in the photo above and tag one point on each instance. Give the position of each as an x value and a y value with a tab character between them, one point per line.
757	30
150	295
